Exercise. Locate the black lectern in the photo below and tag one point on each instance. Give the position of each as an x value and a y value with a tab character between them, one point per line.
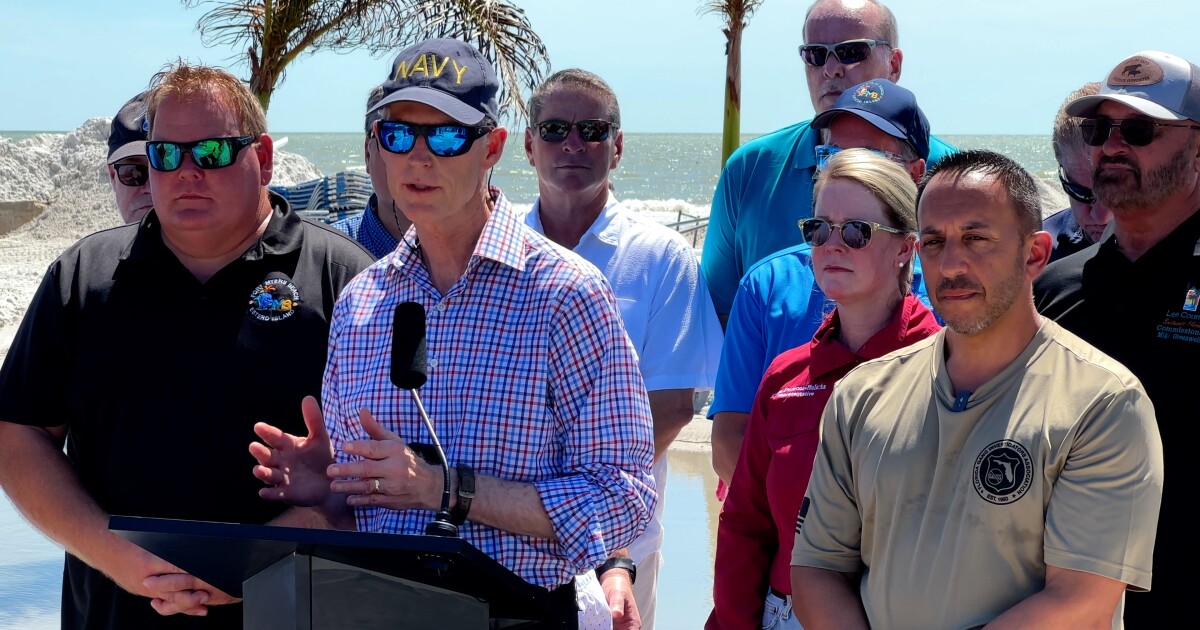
310	579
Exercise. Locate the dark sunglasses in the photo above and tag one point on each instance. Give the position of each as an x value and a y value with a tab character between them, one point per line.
589	130
847	52
1078	192
132	174
1137	132
207	154
443	140
856	234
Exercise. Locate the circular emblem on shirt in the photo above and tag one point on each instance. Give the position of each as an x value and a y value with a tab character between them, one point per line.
274	300
867	93
1003	472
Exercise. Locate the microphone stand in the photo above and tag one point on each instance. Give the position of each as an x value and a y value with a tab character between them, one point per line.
440	525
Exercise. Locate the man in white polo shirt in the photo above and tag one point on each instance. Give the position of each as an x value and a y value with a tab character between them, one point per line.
574	141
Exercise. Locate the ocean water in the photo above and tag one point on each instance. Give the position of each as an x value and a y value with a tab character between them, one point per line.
668	176
666	172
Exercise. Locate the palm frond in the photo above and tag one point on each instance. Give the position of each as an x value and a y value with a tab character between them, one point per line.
731	11
272	33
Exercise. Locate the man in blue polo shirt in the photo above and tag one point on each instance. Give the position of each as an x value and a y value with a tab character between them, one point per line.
766	185
778	305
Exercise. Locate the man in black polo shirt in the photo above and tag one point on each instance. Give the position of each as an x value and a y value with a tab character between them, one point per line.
1134	295
152	349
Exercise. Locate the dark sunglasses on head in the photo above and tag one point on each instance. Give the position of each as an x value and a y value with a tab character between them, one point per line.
1137	132
132	174
856	234
1078	192
847	52
443	140
207	154
590	130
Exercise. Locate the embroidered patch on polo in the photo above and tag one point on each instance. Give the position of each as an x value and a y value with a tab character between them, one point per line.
274	300
1003	472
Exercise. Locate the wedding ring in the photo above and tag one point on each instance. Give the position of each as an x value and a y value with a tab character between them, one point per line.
374	487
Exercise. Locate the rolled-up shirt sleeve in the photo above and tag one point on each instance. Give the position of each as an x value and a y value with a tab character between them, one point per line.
606	496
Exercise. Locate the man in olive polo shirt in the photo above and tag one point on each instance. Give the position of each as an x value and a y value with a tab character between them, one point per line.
151	349
1000	472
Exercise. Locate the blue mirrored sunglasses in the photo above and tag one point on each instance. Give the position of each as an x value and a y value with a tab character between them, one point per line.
397	136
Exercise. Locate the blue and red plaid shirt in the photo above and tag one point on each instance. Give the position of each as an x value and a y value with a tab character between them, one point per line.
531	379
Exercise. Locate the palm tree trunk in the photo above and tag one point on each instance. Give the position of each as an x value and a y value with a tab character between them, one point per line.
732	130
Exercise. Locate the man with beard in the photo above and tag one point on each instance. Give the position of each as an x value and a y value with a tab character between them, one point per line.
959	458
1145	153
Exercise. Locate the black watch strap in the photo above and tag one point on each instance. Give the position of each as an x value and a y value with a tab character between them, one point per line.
619	563
466	492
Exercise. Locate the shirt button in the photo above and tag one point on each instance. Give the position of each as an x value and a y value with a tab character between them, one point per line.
441	306
433	363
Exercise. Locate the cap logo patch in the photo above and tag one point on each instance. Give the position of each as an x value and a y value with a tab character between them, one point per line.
868	93
275	300
1135	71
1003	472
429	66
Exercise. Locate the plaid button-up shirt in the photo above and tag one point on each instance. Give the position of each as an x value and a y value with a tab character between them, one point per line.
531	379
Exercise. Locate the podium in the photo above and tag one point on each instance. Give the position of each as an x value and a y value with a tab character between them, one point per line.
312	579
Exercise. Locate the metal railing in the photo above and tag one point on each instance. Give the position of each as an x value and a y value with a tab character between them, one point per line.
693	227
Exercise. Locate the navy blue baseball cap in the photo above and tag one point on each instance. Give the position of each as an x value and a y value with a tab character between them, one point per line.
448	75
887	106
127	135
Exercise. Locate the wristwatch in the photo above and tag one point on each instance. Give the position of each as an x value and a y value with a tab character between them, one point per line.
619	563
466	492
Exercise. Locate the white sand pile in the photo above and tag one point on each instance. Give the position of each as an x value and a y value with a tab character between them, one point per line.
67	171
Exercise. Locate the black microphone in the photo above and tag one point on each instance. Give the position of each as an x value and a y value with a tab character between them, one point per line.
408	372
408	346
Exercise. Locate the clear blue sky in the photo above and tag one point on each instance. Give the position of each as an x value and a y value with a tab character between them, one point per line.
977	66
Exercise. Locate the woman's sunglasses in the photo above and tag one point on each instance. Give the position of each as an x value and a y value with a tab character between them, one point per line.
443	140
847	52
1078	192
1137	132
590	130
856	234
207	154
132	174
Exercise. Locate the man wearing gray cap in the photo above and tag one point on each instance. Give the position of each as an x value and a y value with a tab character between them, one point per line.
128	170
533	385
1145	152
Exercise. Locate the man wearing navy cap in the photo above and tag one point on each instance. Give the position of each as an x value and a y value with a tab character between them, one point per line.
533	385
128	170
778	305
1143	129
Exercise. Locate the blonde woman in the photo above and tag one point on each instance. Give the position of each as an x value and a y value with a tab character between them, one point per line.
863	242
